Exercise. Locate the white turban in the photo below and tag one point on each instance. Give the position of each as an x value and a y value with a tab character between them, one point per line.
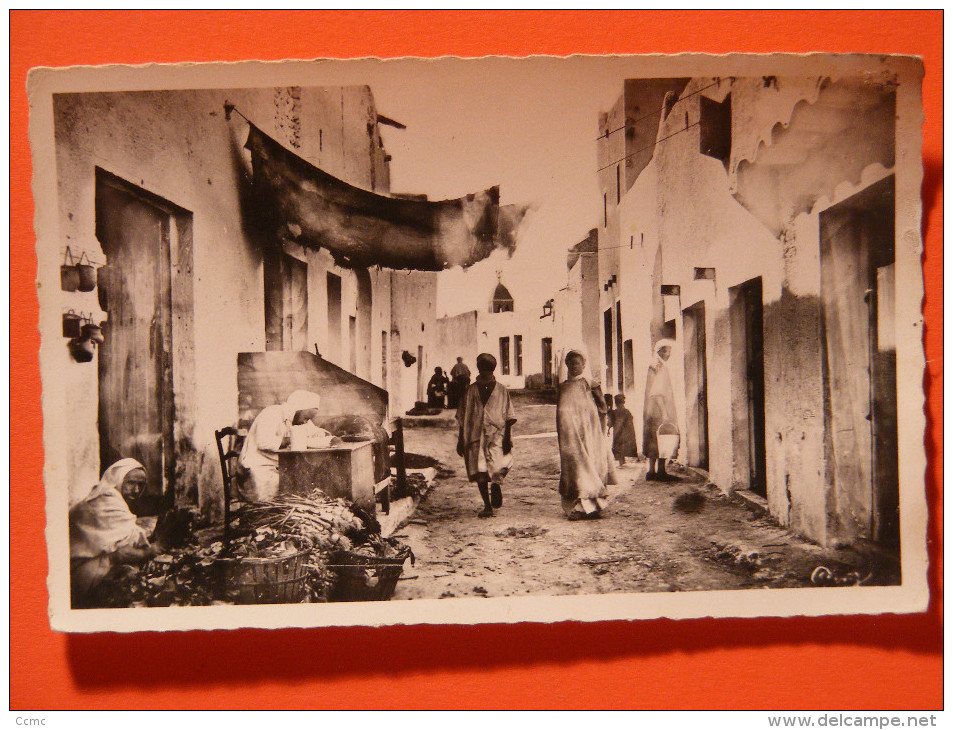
301	400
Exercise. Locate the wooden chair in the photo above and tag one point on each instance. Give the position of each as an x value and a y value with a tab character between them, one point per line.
226	439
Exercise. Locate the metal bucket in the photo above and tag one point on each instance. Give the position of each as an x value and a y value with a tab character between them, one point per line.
667	438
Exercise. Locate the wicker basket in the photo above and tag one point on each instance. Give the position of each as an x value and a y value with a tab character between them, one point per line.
367	578
264	580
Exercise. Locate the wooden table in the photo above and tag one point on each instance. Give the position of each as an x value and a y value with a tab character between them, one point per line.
346	470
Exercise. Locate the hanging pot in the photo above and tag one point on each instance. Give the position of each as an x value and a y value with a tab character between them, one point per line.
69	274
82	350
72	324
93	332
86	274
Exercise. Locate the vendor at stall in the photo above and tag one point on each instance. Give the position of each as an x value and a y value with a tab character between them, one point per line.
271	430
104	535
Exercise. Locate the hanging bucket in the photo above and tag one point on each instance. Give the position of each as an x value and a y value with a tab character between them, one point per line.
667	437
72	324
86	273
69	274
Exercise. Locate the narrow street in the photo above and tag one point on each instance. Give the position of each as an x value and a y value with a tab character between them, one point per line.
644	544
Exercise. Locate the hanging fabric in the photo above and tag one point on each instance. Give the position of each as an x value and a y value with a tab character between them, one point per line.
300	202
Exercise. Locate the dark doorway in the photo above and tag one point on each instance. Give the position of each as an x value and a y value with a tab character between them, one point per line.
620	370
857	298
136	405
517	354
334	318
504	355
696	385
747	319
629	363
352	341
607	338
547	345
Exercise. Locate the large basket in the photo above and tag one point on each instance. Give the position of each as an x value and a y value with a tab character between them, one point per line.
367	578
264	580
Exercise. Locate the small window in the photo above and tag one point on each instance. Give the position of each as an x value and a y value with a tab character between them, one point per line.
518	354
714	122
504	355
605	210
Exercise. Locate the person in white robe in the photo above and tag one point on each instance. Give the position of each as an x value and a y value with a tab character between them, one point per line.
103	532
586	467
485	417
271	430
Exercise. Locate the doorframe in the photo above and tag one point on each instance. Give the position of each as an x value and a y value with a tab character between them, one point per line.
180	459
750	470
697	349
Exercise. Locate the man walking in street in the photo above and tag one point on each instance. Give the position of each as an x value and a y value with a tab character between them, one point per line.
485	416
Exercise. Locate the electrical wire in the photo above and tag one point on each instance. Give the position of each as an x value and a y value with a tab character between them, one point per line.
642	149
655	113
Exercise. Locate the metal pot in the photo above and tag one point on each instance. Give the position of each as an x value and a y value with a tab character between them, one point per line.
93	332
82	350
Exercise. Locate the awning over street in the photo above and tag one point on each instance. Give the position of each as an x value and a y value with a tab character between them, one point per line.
302	203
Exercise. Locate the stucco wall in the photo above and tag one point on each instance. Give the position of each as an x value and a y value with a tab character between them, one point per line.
179	146
413	317
681	214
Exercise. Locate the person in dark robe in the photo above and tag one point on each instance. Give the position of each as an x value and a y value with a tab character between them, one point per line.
623	432
459	382
585	465
486	417
659	408
437	389
609	413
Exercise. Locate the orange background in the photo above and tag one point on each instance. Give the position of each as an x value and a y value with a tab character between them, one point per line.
881	662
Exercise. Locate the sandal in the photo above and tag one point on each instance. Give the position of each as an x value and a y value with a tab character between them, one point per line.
487	512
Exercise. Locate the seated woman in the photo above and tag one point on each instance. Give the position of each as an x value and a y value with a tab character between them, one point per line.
271	430
103	532
437	389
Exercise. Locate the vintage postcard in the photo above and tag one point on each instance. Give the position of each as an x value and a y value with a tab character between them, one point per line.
480	340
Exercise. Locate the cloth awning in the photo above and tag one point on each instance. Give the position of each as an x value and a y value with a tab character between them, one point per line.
302	203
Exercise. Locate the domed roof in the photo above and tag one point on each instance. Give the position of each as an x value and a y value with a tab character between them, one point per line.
502	300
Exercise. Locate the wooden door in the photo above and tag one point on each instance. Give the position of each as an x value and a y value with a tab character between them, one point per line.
696	386
136	409
286	302
857	298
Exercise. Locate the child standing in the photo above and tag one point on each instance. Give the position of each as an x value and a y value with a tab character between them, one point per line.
623	428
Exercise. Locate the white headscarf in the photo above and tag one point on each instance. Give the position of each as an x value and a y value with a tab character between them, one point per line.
587	371
101	522
300	400
664	342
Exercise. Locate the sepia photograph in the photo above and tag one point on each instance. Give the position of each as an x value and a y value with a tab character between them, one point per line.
483	340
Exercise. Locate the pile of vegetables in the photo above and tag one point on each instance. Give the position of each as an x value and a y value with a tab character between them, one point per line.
192	575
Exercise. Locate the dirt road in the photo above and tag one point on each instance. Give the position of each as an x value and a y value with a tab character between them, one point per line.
644	544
